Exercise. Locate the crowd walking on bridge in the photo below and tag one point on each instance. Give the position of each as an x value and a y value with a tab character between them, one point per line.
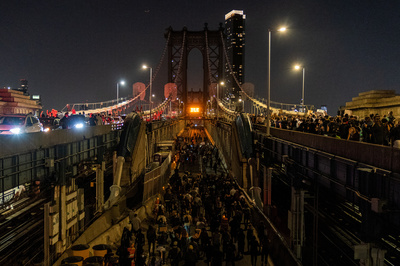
373	129
202	218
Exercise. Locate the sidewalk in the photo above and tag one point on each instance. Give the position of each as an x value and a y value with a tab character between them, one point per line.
146	215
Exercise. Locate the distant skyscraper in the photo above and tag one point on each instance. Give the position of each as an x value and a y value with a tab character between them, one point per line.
235	44
24	86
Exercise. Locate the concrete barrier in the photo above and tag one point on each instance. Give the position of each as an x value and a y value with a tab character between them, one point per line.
383	157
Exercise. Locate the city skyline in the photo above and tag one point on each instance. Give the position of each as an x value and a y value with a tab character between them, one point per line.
77	51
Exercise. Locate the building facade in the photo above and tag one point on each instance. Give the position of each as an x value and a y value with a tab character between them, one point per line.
235	45
380	102
17	102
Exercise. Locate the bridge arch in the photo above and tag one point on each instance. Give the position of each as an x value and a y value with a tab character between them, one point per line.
180	44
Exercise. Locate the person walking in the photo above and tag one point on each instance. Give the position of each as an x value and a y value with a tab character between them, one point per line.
395	136
190	256
254	249
64	121
139	241
187	220
230	254
249	237
378	131
99	120
92	120
264	251
151	239
174	254
135	222
241	238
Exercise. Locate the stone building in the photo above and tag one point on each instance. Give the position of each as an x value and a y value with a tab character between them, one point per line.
16	102
374	102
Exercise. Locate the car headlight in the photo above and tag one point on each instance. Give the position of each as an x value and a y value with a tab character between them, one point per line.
46	129
16	130
79	125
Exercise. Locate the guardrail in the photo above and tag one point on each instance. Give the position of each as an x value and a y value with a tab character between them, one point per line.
155	179
379	156
54	155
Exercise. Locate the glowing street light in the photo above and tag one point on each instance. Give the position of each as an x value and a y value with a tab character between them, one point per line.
151	85
282	29
242	101
298	67
222	84
122	83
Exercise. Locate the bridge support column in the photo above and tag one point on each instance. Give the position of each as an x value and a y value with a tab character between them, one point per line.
244	174
100	168
46	244
369	255
267	189
296	221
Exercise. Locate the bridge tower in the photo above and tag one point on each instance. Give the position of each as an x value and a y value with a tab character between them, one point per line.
210	44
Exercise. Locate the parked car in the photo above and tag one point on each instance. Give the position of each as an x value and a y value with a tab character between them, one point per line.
50	123
19	123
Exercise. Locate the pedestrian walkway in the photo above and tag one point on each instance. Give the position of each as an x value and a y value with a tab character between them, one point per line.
202	218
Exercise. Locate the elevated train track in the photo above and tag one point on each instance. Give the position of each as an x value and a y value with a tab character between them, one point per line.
21	232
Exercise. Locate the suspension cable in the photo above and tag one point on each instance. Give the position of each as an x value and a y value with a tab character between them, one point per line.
254	100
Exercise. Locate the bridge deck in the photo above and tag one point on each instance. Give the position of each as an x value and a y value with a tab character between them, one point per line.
198	170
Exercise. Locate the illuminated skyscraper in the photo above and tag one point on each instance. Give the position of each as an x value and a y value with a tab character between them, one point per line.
235	45
24	86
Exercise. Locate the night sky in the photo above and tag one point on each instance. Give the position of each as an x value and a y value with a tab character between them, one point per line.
76	51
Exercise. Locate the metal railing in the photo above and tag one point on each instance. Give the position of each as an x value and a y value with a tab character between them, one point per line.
25	167
286	106
155	179
82	107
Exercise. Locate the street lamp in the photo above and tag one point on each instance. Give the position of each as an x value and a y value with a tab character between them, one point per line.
269	79
297	67
122	83
242	101
222	84
179	103
151	85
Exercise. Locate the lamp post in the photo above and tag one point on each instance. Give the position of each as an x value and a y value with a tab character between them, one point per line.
269	79
122	83
297	67
179	103
222	84
242	101
151	85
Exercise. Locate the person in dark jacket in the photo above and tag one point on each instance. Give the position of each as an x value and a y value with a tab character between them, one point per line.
151	238
254	249
64	121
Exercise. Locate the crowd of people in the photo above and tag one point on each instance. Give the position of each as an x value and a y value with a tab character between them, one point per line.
201	216
67	120
375	129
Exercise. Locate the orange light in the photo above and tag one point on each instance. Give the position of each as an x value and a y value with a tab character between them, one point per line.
194	109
